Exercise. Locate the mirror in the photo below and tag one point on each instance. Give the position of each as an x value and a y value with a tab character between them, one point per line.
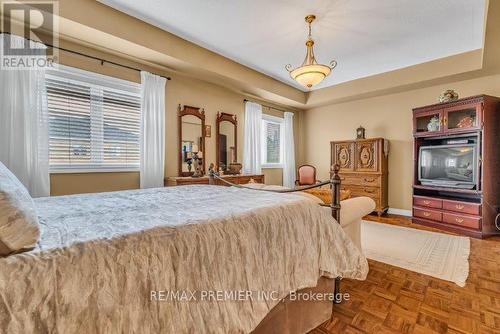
226	141
191	141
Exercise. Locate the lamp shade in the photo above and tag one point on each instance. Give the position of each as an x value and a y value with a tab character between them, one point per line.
310	75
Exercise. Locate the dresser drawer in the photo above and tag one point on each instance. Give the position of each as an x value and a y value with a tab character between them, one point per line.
464	207
242	179
357	191
191	180
461	220
361	180
428	202
428	214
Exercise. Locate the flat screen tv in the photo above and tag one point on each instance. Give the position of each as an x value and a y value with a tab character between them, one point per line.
451	166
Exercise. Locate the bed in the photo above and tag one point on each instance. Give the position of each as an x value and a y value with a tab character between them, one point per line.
147	261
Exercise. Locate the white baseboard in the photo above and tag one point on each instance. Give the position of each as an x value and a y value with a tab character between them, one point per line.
400	212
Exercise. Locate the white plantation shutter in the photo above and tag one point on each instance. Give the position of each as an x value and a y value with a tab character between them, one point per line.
94	121
69	123
122	125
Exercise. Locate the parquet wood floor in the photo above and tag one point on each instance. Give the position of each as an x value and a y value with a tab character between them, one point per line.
395	300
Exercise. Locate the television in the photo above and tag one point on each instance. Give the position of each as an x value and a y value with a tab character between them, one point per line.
453	166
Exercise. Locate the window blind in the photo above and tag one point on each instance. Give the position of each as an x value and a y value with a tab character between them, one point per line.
94	121
273	142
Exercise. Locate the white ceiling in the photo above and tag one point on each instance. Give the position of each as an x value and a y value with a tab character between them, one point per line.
366	37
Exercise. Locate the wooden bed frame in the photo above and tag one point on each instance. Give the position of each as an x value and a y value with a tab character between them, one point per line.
295	316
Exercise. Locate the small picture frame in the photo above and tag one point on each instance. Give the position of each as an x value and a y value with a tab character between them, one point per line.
360	132
208	131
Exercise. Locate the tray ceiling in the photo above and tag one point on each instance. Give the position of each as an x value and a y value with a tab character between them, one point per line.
365	37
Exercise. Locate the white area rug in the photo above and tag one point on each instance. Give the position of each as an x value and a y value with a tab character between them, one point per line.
435	254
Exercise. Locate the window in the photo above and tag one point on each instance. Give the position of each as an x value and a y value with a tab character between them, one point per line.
94	121
272	141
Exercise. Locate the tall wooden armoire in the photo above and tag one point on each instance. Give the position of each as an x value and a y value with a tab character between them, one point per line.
364	168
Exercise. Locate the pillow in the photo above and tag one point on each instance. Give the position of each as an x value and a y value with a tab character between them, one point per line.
326	194
19	229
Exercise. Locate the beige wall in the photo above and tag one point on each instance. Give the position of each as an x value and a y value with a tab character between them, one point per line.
77	183
388	116
180	90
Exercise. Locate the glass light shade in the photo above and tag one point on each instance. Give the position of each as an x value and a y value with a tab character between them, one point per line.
310	75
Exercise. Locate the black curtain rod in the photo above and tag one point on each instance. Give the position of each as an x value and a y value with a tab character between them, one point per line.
104	60
95	58
264	105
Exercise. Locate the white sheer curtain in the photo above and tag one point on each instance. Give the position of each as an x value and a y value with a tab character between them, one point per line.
288	152
252	148
24	143
152	130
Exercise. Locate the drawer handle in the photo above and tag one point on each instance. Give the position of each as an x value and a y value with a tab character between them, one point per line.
427	202
369	191
342	178
459	220
427	214
369	180
459	206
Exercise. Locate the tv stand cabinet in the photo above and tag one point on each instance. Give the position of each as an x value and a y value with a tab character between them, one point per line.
473	212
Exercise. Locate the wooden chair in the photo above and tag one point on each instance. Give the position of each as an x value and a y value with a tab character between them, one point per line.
306	175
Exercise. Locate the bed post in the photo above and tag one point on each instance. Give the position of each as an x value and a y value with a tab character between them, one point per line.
211	177
335	182
335	206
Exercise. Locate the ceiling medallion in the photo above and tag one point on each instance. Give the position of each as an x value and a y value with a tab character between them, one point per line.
310	73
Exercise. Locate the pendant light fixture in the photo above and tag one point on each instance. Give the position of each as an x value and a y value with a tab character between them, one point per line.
310	73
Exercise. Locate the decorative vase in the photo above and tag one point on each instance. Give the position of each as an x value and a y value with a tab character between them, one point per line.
234	168
448	95
433	124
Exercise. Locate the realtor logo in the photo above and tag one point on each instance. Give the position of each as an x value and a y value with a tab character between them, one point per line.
29	34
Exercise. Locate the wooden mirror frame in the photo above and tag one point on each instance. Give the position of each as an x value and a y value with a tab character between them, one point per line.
193	111
225	117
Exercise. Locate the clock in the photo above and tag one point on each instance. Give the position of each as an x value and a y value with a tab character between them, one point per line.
360	132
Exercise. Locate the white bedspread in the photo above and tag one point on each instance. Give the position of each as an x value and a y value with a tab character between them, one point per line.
101	255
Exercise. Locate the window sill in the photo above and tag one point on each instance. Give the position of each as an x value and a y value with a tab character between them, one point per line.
96	170
271	166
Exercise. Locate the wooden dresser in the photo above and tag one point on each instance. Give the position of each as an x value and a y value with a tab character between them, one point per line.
237	179
363	168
